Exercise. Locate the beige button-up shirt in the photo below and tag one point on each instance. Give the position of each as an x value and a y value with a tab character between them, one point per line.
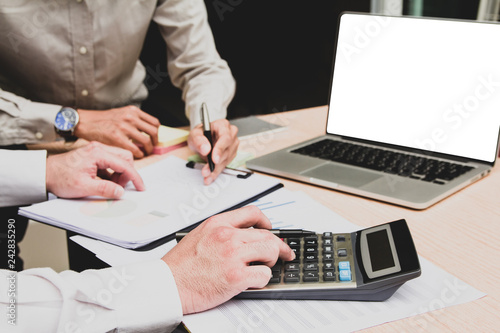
84	54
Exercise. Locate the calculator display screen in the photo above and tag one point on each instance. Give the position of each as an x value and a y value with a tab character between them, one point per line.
378	252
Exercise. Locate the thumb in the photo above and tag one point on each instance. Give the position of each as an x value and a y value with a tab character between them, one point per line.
199	143
105	188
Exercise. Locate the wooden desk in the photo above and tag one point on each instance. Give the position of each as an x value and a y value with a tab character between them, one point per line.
460	234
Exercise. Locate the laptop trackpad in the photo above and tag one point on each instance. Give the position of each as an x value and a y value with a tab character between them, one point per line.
344	175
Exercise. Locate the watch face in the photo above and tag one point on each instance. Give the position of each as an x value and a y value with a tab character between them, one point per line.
66	119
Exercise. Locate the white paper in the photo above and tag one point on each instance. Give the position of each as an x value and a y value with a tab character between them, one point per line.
115	255
434	290
175	198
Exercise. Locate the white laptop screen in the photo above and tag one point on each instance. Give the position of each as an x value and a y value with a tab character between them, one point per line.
422	83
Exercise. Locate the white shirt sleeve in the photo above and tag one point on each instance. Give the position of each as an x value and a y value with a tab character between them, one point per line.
140	297
22	177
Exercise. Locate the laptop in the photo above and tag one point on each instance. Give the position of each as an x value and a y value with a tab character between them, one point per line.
414	111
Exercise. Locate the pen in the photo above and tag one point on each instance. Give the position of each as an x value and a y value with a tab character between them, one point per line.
208	133
281	233
289	233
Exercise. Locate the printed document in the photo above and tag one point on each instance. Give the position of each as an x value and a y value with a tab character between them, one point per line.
175	198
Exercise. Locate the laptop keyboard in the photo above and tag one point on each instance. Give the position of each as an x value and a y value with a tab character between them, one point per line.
416	167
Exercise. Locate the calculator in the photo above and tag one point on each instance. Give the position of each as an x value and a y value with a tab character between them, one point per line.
367	265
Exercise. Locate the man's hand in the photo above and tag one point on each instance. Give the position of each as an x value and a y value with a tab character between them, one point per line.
212	263
74	174
225	141
121	127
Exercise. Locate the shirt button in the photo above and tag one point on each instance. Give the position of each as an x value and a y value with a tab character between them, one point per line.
85	92
39	135
83	50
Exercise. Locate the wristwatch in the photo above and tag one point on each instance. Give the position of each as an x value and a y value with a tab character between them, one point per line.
65	123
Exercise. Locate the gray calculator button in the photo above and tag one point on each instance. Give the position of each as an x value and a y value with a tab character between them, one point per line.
328	265
311	277
328	276
291	277
310	250
310	257
328	256
342	252
291	267
312	266
328	249
311	242
276	278
327	235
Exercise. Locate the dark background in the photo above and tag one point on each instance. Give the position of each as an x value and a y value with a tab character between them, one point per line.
280	52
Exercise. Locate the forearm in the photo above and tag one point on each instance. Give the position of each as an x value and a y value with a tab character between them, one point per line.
215	88
24	122
194	64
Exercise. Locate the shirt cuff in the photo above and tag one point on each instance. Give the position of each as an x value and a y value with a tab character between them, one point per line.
37	123
151	300
26	122
22	177
215	112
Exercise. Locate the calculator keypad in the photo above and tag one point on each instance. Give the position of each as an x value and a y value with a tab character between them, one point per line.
322	258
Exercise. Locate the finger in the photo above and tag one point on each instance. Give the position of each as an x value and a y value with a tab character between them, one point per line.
257	276
104	188
123	142
223	140
249	216
224	150
153	121
127	171
210	176
192	136
132	147
143	121
120	179
150	130
120	152
205	172
266	249
199	143
141	139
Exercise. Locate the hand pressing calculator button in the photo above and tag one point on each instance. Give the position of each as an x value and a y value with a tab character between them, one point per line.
367	265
